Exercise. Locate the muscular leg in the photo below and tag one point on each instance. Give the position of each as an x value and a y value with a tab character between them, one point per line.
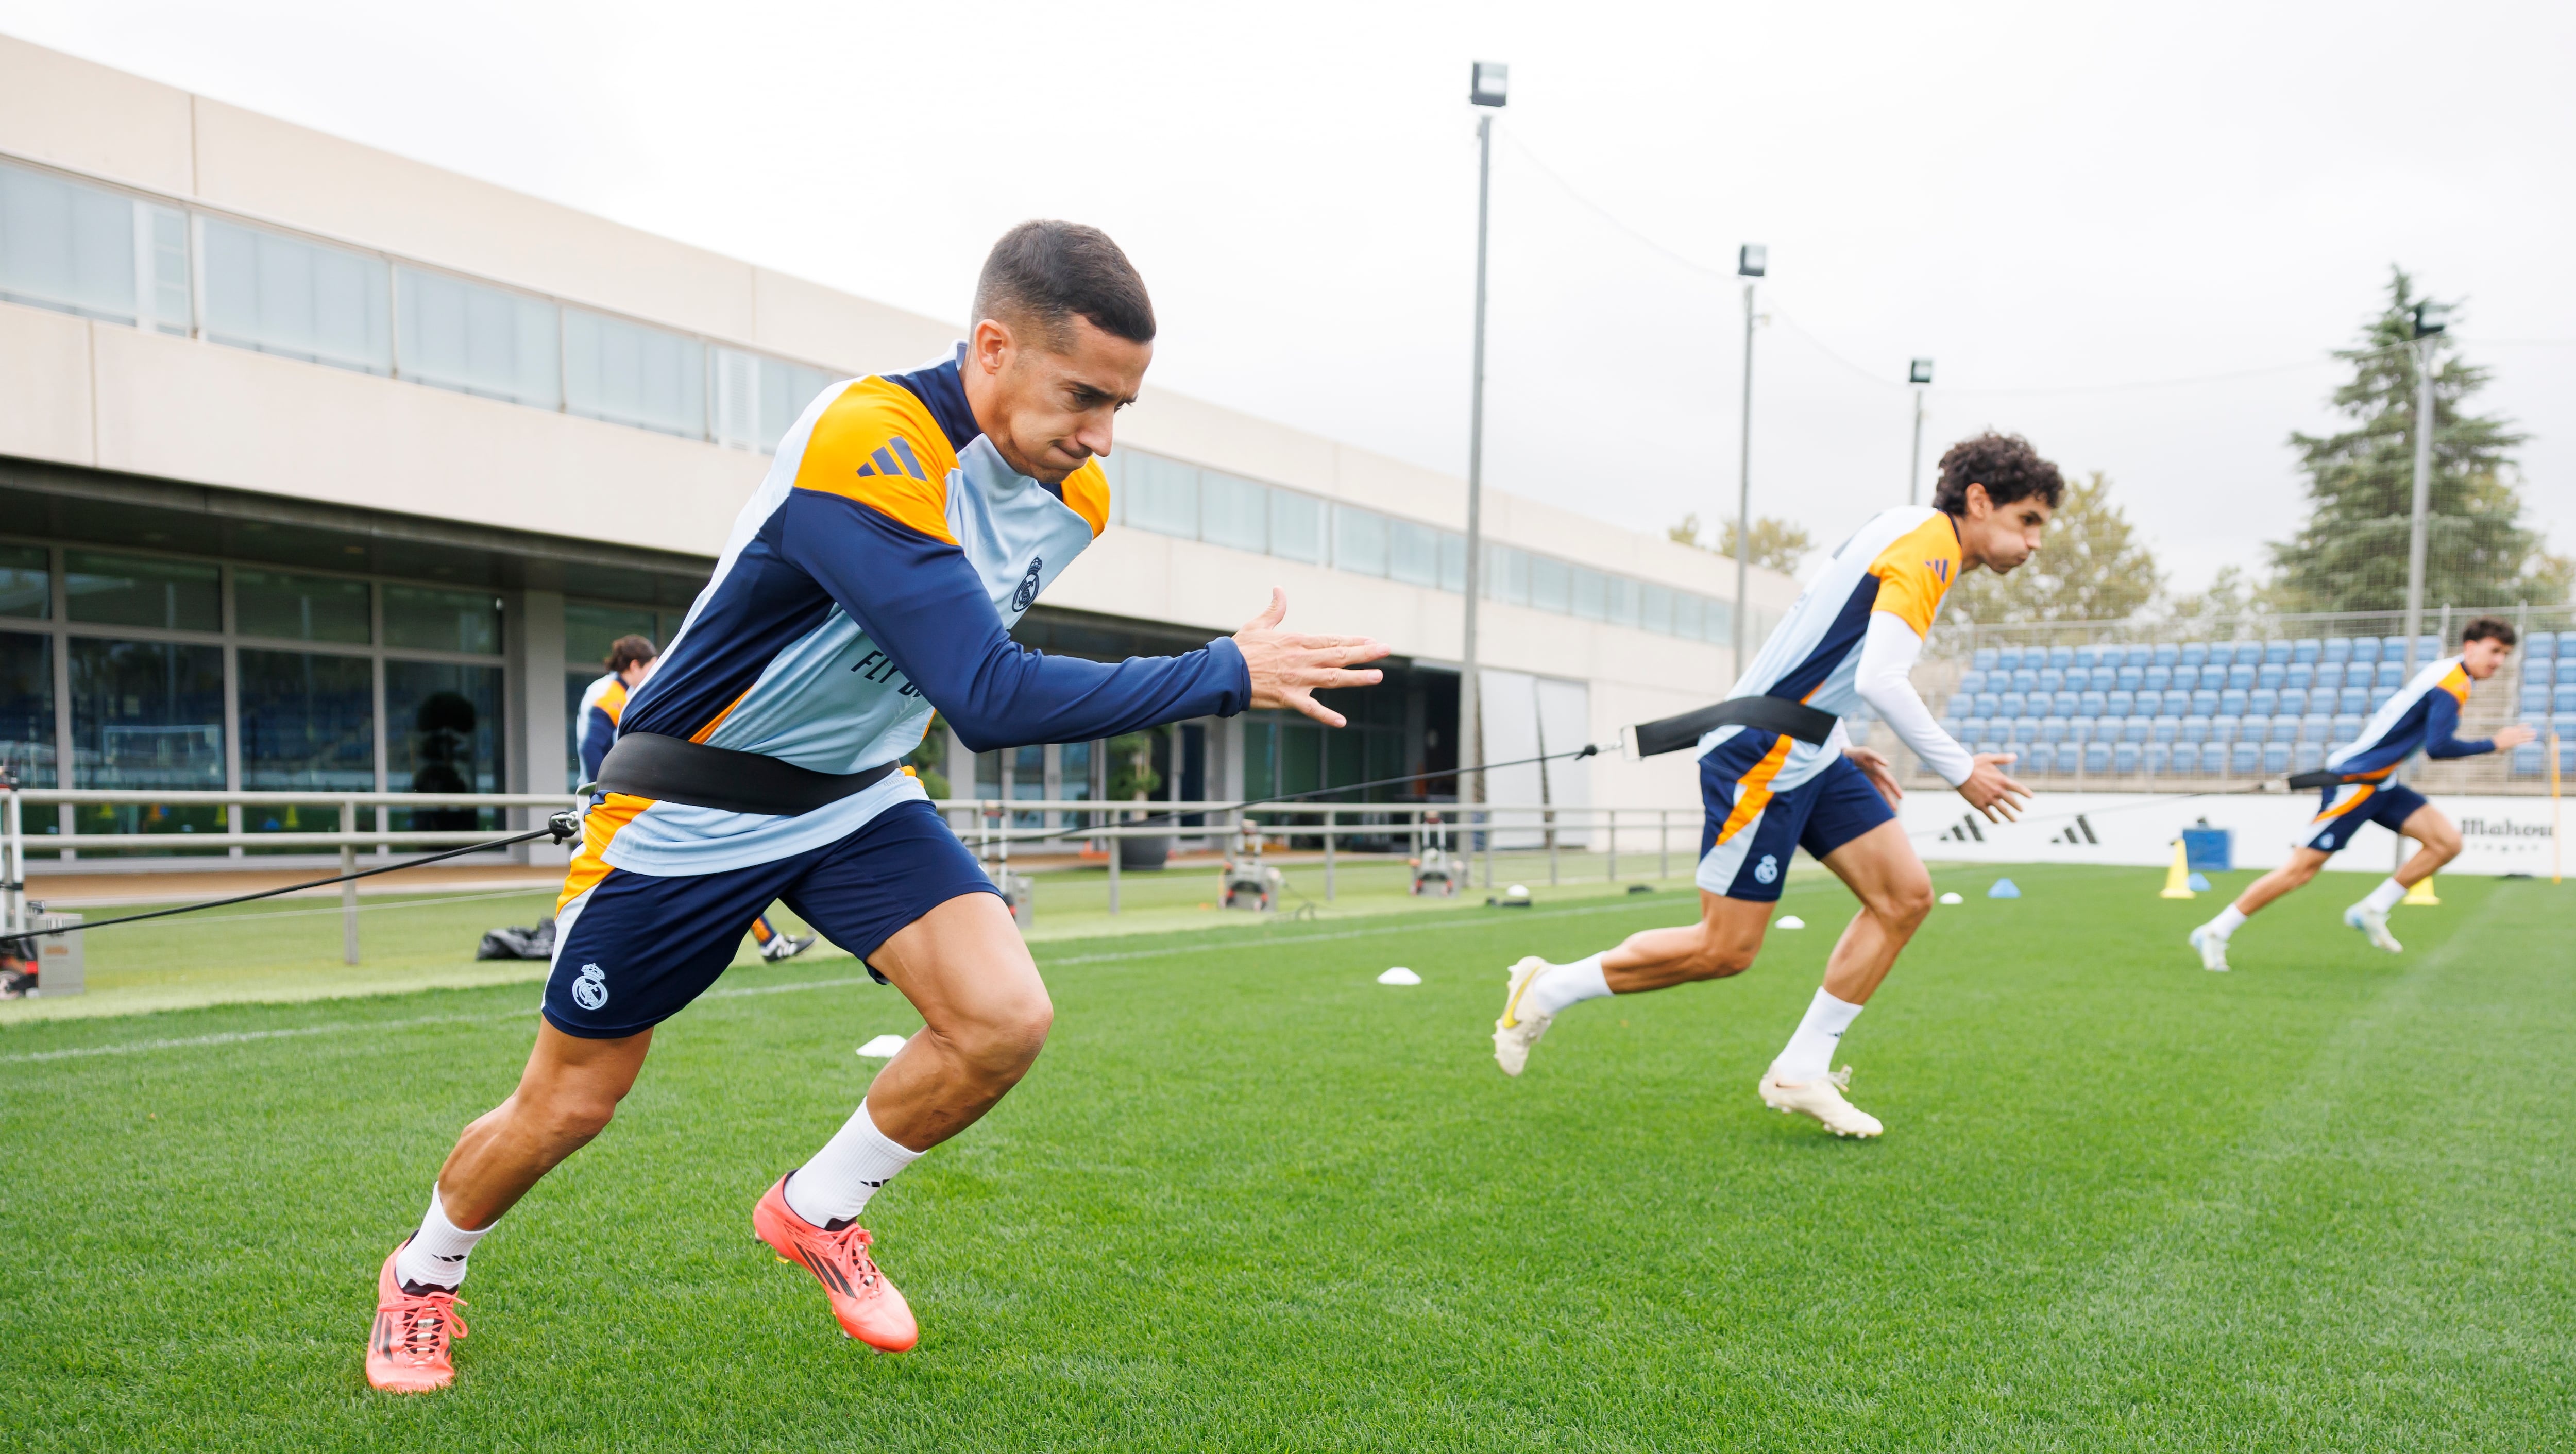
2303	866
985	1016
567	1093
1722	943
2438	842
1895	894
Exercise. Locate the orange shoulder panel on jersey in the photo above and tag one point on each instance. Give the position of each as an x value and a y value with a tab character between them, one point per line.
1086	492
879	445
613	702
1915	571
2456	682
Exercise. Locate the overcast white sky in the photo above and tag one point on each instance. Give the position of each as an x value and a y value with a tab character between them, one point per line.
2058	202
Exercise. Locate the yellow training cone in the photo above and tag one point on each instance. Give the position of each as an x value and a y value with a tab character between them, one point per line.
2422	894
2178	878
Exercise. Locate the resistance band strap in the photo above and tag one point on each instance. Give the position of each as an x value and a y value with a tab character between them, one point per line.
675	770
1766	714
2320	778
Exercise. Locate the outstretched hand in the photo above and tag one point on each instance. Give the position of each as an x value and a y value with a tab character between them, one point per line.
1874	766
1990	792
1287	667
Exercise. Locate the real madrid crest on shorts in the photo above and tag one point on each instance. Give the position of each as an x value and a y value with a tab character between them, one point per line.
1029	584
1768	869
590	991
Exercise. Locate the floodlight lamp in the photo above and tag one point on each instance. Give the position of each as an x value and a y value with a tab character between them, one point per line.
1489	83
1751	259
1919	372
2431	318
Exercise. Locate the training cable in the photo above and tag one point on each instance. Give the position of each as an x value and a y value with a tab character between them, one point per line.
561	827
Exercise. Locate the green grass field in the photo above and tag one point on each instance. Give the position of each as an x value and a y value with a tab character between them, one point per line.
1251	1199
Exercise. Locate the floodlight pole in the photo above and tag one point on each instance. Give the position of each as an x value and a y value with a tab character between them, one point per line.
2424	340
1471	738
1744	486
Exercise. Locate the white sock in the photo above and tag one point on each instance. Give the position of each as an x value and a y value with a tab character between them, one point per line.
1565	984
835	1184
1811	1050
435	1255
2384	898
2227	922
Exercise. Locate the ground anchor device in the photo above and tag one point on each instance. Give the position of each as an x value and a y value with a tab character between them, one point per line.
1434	871
1245	883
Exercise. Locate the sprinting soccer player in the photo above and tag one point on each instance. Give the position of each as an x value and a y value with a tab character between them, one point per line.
2425	715
603	703
1852	637
906	522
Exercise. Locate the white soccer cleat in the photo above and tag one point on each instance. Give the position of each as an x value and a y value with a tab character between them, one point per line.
2374	926
2212	947
1515	1032
1821	1098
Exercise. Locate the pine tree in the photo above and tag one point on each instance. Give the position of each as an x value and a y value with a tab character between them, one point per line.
2092	566
2351	555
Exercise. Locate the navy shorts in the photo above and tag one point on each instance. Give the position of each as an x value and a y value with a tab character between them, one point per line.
2344	808
633	949
1745	845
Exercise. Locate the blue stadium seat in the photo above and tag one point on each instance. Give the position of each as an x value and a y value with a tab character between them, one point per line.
2365	649
2130	679
2025	728
2083	729
2565	672
2186	759
2168	728
2168	653
2195	728
2025	679
2427	648
2012	704
2088	657
2249	653
2308	757
1971	679
2097	757
2284	730
2135	728
2068	704
2294	700
2540	647
2347	727
2527	761
2352	700
2008	658
2158	678
2566	725
1971	730
2231	703
2150	703
2117	704
2050	679
2036	758
2315	727
2182	678
2276	652
2563	700
2273	674
2262	702
2052	729
2061	657
2226	728
1984	660
2276	758
2390	676
2338	650
2240	677
2245	759
2306	650
2192	653
1988	704
2302	675
2567	643
2204	703
2329	675
2159	759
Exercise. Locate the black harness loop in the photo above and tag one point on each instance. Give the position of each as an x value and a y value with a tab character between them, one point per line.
675	770
1766	714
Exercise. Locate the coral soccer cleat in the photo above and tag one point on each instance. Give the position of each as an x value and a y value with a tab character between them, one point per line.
1515	1032
867	1305
1821	1098
412	1347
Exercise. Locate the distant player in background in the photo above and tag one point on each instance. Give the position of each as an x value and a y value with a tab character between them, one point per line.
1852	637
603	705
2425	714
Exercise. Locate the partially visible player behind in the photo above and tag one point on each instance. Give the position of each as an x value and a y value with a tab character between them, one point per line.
1852	637
2425	715
603	704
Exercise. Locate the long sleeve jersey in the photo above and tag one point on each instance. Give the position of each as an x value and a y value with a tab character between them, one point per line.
2424	714
874	576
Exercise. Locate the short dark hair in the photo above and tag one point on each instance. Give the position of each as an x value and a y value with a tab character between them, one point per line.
1043	273
2489	628
2004	463
628	651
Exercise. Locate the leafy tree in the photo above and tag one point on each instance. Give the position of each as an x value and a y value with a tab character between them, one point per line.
2092	565
2351	555
1777	544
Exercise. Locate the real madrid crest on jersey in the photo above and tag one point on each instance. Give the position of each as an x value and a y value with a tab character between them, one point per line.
590	990
1029	584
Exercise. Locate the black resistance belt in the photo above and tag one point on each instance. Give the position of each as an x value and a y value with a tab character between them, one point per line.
2317	778
1766	714
676	770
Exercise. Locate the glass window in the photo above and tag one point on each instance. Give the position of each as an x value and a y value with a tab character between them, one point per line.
1689	615
124	590
1413	553
26	581
590	630
443	735
282	295
1260	757
300	608
307	721
1591	593
478	340
1359	541
1073	771
147	714
1623	601
1028	784
1113	469
1296	527
1507	575
1655	607
627	373
1162	496
1719	627
27	710
1453	561
759	399
1234	512
92	252
1551	585
428	620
